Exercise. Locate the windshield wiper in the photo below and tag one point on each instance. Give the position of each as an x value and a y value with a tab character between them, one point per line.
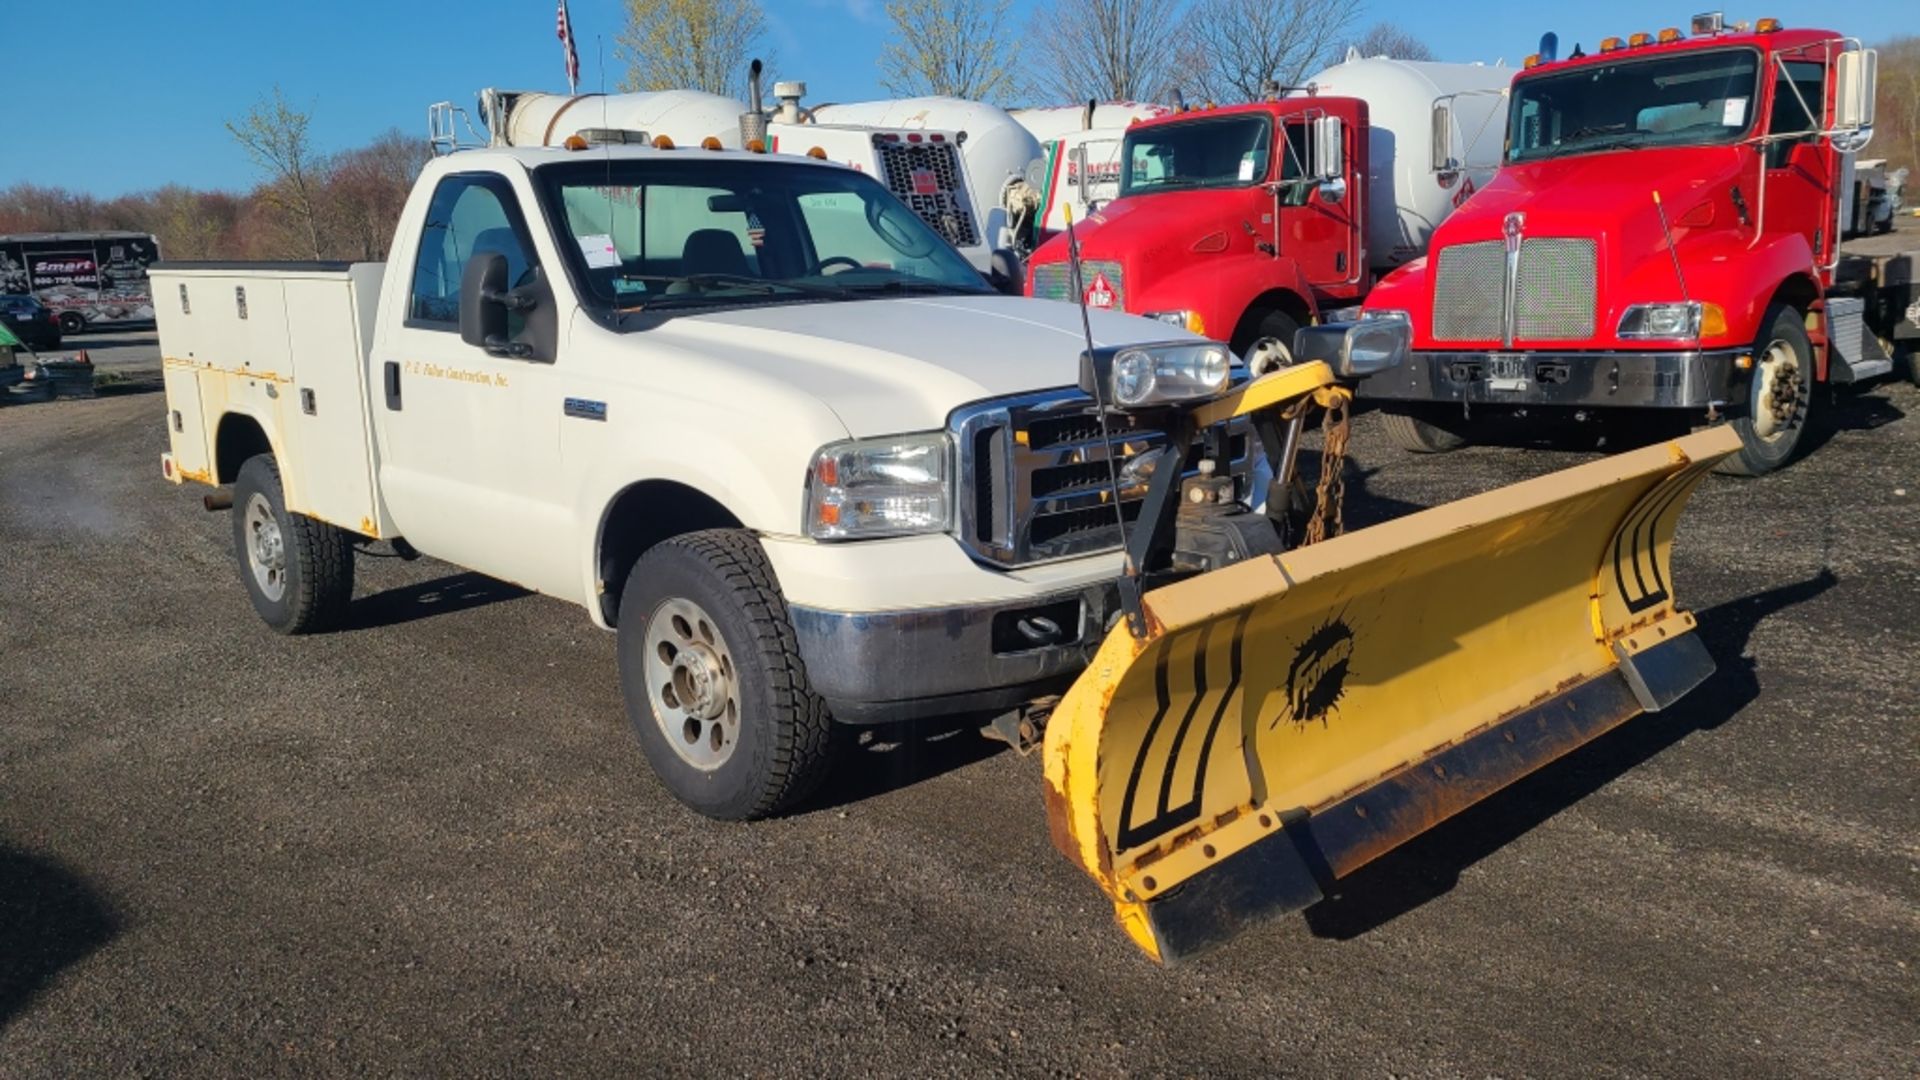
908	285
703	282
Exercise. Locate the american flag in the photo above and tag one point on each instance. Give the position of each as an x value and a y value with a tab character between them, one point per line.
563	28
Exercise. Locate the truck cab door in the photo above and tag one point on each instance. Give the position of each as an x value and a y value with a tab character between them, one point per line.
1800	164
1315	207
469	441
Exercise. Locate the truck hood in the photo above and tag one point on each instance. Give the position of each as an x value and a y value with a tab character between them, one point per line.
1567	196
1142	229
903	364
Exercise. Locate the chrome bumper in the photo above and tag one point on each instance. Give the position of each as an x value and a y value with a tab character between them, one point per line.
1663	380
884	666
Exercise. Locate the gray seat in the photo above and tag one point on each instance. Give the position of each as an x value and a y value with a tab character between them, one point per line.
714	251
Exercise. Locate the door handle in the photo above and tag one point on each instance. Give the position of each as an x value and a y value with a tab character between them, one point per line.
393	385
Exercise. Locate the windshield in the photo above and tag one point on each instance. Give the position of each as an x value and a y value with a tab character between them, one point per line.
1693	99
1225	151
691	233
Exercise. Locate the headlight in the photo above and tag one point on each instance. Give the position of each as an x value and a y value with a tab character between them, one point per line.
880	487
1661	321
1381	314
1167	373
1356	350
1187	320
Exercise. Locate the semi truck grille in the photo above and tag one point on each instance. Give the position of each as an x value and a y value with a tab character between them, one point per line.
1054	280
926	176
1036	474
1553	295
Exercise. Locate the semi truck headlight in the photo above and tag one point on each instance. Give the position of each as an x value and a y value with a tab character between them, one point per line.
1661	321
1186	320
1166	373
891	486
1356	350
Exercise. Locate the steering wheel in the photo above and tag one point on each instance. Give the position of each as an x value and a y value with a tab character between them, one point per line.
851	262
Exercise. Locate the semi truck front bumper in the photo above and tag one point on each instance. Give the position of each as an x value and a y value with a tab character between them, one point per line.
1647	380
887	666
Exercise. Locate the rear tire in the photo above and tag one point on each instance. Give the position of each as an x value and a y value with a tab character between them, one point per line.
1417	434
297	571
1779	397
713	680
72	322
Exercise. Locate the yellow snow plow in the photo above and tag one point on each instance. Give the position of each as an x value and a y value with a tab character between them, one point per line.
1265	722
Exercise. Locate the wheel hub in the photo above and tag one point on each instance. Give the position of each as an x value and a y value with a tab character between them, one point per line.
1777	390
266	548
691	684
1268	354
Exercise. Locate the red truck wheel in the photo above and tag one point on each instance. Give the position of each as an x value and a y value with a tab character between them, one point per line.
1779	397
1419	434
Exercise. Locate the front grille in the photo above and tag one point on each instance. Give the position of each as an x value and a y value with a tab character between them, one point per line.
1054	280
1468	291
1553	294
1037	475
926	176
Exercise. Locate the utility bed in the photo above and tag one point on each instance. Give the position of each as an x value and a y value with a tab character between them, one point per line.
285	344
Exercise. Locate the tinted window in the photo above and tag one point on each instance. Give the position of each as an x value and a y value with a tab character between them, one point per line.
1799	101
468	215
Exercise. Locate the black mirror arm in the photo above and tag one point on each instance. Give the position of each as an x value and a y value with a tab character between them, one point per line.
499	346
511	299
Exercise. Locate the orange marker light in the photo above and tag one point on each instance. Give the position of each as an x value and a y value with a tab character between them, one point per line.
1669	35
817	153
711	142
1532	60
661	142
1610	44
1639	39
1766	26
755	146
575	142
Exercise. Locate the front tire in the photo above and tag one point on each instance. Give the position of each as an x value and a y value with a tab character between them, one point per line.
297	571
72	322
1418	433
1779	397
1269	345
713	680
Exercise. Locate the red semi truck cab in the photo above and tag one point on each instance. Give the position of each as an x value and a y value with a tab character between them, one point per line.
1663	234
1238	223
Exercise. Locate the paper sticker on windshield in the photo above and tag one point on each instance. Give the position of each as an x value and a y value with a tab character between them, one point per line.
1735	114
1246	168
599	251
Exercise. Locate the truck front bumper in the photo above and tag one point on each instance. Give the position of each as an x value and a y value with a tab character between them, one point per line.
1647	380
885	666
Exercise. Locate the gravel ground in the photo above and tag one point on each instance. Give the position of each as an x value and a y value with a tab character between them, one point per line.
428	845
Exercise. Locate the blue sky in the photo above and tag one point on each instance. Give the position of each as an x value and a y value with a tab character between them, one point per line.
145	105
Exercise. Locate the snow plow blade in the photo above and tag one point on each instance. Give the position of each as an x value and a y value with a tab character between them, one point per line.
1289	718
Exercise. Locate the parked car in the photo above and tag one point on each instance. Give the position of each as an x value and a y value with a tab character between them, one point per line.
31	321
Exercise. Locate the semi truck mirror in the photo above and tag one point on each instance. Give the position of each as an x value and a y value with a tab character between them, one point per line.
1333	190
1441	140
1855	73
1329	148
483	318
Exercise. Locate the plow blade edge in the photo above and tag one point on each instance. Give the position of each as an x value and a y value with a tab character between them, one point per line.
1289	718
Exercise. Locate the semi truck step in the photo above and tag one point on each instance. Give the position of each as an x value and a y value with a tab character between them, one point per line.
1854	352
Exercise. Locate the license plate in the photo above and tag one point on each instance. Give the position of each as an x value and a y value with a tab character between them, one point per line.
1506	373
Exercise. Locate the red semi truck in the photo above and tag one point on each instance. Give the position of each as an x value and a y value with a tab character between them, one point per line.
1663	236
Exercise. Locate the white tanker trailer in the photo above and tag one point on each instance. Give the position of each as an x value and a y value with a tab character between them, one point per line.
1436	135
960	165
1081	143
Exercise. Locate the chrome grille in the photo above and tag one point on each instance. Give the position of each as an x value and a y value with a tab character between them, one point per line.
946	207
1553	295
1468	292
1036	481
1054	280
1553	292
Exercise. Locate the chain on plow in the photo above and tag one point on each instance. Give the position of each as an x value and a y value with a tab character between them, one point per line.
1330	490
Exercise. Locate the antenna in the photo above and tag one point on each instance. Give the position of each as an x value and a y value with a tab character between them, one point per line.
1675	252
1099	399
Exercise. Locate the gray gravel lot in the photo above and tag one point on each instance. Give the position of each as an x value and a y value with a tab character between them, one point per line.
429	845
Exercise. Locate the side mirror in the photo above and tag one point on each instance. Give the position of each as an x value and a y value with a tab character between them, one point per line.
1441	139
1854	73
1333	190
1329	149
1006	272
484	304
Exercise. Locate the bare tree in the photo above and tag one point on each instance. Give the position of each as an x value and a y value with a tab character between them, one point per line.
1389	40
366	190
1897	115
1114	50
956	48
274	135
1238	48
691	44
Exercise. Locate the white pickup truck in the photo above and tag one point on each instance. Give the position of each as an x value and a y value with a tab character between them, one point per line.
750	412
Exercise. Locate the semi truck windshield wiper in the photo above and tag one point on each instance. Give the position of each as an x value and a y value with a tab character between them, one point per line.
701	283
